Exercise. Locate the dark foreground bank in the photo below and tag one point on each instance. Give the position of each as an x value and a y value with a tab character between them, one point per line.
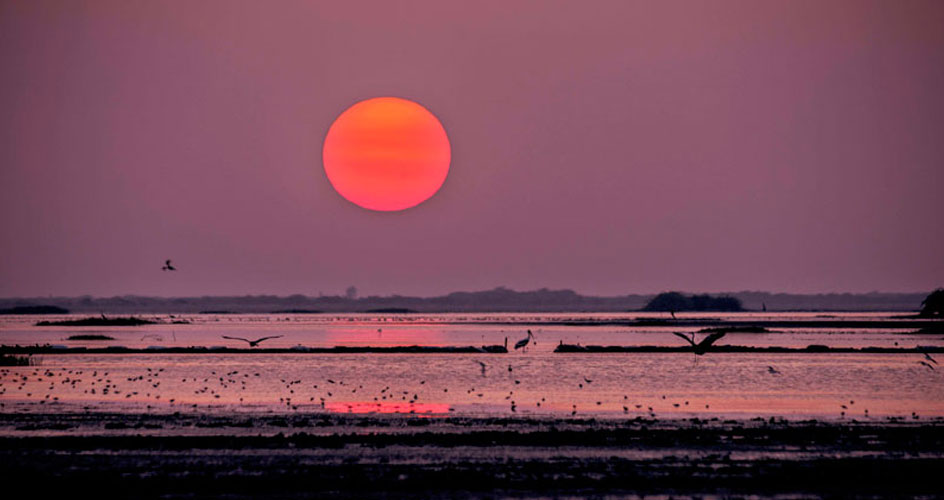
298	456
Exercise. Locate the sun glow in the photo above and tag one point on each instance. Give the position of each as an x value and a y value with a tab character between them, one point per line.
386	154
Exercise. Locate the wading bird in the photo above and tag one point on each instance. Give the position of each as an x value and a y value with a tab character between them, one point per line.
483	365
524	342
705	344
168	266
252	343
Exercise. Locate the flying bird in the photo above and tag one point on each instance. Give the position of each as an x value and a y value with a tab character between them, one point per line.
705	344
168	266
925	363
524	342
252	343
929	358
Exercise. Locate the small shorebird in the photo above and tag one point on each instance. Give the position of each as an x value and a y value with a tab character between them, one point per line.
252	343
925	363
772	370
168	266
929	358
705	344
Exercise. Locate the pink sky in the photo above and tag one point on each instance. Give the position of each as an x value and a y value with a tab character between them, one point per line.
608	147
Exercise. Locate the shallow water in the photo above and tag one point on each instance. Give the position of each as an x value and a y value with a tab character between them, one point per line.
539	382
457	329
671	384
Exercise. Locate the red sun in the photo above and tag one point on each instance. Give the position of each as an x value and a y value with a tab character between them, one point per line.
386	154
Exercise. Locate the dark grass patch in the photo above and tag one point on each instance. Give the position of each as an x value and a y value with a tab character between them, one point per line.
14	360
735	329
812	348
102	321
35	310
90	337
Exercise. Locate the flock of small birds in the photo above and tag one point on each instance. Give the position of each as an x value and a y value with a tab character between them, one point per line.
238	386
179	388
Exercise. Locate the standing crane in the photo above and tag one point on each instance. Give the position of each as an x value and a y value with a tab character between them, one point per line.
521	344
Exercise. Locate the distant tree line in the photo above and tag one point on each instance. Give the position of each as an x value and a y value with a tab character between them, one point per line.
34	310
499	299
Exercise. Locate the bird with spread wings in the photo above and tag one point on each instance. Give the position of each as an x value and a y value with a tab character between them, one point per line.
252	343
705	344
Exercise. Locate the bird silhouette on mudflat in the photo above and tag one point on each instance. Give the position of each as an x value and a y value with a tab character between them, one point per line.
524	342
253	343
705	344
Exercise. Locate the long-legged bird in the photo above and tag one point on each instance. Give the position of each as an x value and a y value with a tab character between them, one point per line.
524	342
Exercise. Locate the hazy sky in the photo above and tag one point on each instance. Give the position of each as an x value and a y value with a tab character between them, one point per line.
608	147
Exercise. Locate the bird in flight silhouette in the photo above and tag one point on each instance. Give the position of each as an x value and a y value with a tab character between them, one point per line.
252	343
168	266
705	344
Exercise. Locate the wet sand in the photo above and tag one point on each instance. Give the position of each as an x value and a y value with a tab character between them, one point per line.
300	456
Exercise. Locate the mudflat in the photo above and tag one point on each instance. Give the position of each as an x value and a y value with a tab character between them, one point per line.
300	456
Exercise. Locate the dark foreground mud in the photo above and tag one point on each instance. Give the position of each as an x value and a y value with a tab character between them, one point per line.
296	456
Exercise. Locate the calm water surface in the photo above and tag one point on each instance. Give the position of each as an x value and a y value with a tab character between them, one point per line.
537	382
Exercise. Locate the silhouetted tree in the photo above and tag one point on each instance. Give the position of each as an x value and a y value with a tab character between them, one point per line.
669	302
675	301
933	304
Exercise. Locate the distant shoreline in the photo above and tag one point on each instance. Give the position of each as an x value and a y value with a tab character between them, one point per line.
498	300
917	324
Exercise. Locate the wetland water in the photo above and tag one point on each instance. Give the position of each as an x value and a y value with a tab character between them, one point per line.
533	424
531	382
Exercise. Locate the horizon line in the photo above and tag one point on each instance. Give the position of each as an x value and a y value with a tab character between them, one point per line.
498	288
